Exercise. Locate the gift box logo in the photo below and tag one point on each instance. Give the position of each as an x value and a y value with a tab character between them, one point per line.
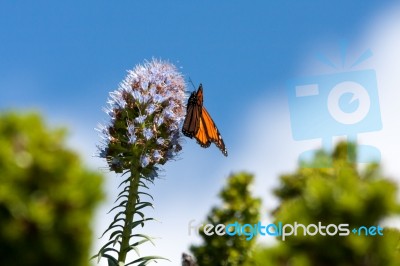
338	104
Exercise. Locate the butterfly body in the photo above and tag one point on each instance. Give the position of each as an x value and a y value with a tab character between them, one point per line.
199	124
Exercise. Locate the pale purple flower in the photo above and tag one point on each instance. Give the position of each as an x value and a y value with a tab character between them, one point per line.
150	102
145	85
140	119
160	141
132	139
102	129
173	127
151	108
148	133
169	113
137	96
159	120
108	111
146	98
102	152
153	90
117	100
144	160
131	129
157	155
158	98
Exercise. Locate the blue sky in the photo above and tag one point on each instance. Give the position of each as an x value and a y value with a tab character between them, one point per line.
63	58
66	56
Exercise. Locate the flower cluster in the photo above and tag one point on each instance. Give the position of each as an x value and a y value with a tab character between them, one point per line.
146	111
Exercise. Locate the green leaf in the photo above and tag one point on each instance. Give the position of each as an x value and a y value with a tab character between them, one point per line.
146	260
111	227
142	205
135	249
124	182
112	262
120	197
140	222
116	233
122	204
147	194
144	236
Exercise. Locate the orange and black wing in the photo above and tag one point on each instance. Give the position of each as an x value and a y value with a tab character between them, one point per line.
194	107
199	124
208	132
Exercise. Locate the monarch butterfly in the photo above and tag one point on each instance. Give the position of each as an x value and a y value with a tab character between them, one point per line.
199	124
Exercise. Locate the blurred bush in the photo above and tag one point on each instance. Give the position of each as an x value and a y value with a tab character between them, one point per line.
47	198
238	205
339	194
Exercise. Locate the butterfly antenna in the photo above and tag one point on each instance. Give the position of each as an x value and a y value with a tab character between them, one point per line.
191	82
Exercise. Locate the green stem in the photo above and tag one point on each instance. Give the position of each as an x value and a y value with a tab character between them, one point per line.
129	215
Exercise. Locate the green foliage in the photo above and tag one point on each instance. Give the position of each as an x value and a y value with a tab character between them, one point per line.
238	205
335	195
47	197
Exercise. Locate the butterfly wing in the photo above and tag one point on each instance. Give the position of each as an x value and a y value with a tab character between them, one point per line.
191	124
201	135
199	124
208	132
